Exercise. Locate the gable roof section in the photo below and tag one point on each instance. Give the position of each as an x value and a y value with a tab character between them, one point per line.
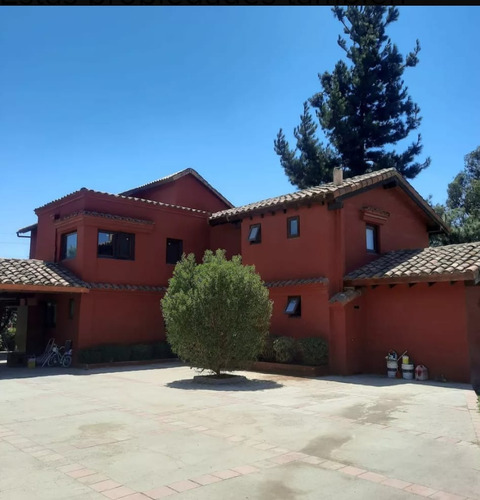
30	273
121	197
330	192
446	263
174	177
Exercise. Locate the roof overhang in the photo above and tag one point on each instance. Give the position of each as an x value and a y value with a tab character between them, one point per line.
17	288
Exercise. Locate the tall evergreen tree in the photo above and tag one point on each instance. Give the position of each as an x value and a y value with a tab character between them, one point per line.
363	108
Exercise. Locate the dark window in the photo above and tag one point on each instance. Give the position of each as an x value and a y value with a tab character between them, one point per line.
293	227
116	245
294	306
255	233
68	246
372	239
71	308
174	250
51	314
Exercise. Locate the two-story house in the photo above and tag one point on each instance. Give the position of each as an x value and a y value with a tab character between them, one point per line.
346	261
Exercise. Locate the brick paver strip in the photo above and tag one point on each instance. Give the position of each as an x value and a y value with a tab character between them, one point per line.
136	496
206	479
396	483
120	492
331	465
352	471
158	493
373	477
418	489
181	486
312	460
70	467
104	485
94	478
81	473
226	474
245	469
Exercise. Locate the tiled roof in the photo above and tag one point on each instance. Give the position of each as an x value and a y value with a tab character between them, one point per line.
328	191
444	263
118	196
105	216
293	282
27	229
139	288
174	177
31	272
346	296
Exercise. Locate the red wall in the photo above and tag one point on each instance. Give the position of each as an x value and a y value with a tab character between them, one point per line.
472	296
278	257
226	236
187	192
405	228
314	319
429	322
120	317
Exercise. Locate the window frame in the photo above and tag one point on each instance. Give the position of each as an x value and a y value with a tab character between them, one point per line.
258	237
64	246
297	311
289	228
374	229
118	238
176	240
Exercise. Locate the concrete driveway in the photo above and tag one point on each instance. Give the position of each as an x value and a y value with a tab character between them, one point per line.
149	433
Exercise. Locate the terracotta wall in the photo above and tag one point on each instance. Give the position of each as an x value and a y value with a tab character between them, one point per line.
278	257
120	317
429	322
405	228
187	192
472	296
314	319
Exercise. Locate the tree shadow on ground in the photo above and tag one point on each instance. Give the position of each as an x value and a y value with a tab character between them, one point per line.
244	386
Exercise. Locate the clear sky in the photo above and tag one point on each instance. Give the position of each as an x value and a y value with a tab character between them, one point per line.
113	97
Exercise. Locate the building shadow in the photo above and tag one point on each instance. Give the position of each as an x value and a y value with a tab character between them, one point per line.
248	385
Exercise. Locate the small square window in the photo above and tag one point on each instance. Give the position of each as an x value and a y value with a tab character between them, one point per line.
293	227
68	247
174	250
294	306
255	233
372	239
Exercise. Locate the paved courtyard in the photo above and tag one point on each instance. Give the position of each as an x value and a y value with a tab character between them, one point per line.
148	432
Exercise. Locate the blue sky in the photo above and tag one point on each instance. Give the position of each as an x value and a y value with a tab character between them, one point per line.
112	97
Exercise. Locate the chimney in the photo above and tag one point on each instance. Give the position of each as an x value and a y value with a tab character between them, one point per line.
337	176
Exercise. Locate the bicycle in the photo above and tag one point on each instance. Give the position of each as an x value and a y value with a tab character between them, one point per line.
60	356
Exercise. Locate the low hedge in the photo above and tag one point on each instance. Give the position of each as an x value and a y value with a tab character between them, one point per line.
108	353
311	351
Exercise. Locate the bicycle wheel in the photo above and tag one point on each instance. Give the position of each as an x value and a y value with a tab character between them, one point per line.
52	360
66	361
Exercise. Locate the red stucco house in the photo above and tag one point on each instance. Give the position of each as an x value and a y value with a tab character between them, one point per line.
347	261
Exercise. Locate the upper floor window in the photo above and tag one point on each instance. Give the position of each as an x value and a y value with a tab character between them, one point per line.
294	306
68	247
255	233
174	250
372	238
293	227
116	245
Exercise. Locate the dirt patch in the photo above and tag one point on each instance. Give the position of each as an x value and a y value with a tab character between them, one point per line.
324	446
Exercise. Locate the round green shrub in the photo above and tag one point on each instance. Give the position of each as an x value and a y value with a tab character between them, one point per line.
268	352
314	351
217	313
285	349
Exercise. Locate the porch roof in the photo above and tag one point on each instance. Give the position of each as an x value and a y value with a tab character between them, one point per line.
37	275
445	263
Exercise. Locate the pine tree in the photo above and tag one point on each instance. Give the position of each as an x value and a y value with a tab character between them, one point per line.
363	108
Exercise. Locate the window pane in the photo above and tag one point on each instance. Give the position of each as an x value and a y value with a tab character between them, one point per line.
292	305
105	243
253	233
71	246
293	227
371	238
124	245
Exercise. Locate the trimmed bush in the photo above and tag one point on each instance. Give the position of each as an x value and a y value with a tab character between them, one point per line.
285	349
217	313
314	351
90	356
142	352
268	352
162	350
